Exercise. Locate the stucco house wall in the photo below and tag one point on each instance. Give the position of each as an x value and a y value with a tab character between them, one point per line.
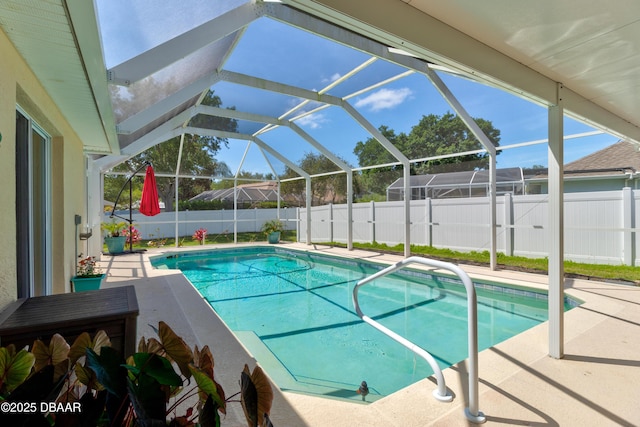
611	168
19	86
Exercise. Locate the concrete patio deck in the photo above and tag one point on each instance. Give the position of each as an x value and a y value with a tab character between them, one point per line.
597	383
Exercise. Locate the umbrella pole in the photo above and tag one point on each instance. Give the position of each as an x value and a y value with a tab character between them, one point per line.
130	219
130	216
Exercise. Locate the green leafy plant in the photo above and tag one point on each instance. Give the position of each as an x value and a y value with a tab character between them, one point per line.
147	389
272	226
113	228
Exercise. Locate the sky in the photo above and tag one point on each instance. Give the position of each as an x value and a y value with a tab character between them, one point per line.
272	50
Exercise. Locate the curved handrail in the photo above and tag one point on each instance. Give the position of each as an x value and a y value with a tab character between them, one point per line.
472	412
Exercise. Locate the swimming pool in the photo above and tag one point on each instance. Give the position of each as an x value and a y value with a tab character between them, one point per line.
293	310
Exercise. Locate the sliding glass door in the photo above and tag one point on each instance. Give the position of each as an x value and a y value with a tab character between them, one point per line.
33	208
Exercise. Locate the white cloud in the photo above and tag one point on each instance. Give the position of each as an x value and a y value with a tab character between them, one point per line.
332	79
384	99
313	121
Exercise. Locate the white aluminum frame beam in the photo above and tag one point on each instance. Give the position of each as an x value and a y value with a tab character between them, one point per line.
177	175
488	146
342	165
406	171
272	86
260	143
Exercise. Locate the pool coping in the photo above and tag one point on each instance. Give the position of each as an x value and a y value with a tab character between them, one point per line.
507	363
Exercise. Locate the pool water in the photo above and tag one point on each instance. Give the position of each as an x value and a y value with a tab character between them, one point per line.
294	312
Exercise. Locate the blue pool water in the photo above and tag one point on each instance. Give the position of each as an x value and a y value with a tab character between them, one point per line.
294	312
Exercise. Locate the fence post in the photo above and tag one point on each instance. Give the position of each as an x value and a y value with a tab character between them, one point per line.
507	228
255	220
428	230
372	220
331	222
628	235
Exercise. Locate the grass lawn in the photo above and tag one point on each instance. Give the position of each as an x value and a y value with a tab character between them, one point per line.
621	273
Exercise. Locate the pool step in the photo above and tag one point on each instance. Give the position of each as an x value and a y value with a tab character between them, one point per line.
289	382
276	370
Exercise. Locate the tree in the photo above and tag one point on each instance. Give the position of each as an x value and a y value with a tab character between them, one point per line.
448	134
371	153
198	157
433	136
324	189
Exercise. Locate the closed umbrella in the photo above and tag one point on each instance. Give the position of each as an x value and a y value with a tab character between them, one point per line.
149	205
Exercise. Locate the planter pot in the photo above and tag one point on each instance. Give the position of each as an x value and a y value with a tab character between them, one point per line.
81	284
115	245
273	237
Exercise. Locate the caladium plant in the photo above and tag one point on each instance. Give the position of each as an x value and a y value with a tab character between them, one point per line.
146	389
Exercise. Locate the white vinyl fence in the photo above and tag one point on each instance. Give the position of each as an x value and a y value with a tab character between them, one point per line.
600	227
217	222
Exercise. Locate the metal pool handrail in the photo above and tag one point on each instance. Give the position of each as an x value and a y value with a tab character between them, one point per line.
472	412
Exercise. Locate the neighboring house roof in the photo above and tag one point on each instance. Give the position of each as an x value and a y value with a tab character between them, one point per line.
459	178
620	158
255	192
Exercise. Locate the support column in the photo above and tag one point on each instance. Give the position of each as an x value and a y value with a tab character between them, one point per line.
349	210
372	219
407	209
556	228
508	224
308	191
428	226
177	177
493	259
330	222
628	235
235	211
95	210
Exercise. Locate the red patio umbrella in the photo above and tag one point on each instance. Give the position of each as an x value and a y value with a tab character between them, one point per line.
149	205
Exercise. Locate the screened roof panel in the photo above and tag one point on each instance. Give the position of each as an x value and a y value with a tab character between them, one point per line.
143	94
144	24
502	175
452	178
414	181
371	75
214	123
126	139
464	178
254	100
316	68
263	63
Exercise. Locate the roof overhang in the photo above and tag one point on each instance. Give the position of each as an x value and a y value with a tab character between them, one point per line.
60	42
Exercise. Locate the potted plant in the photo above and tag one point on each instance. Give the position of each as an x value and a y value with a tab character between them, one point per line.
88	276
272	229
114	237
